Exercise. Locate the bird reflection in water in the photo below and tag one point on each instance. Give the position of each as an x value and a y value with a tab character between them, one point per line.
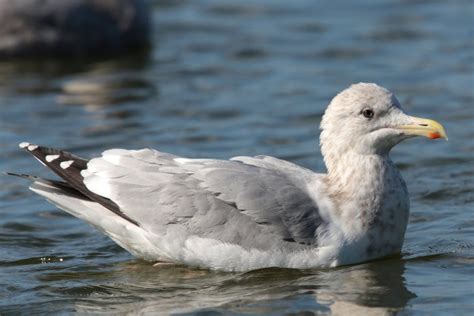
375	288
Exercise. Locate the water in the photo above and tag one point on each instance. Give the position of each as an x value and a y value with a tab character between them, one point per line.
226	79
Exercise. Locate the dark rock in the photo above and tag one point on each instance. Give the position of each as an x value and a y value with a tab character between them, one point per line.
73	28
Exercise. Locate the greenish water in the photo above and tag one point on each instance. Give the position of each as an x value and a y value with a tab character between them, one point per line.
246	78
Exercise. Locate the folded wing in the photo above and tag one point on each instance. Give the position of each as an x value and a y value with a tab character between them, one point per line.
250	201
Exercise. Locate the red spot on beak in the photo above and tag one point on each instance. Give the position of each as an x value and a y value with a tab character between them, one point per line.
434	135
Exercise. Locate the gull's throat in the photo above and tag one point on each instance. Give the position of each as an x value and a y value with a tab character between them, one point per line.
370	195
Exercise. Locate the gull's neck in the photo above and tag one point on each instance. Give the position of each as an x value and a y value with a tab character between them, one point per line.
353	174
368	192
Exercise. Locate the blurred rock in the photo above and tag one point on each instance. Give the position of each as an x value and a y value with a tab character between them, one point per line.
73	28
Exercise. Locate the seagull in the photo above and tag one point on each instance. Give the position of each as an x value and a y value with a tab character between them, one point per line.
249	213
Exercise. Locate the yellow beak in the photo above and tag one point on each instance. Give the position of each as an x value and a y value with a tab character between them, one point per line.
424	127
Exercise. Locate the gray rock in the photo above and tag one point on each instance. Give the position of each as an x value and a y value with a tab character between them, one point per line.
78	28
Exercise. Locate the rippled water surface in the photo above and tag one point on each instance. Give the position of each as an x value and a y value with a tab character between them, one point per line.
250	77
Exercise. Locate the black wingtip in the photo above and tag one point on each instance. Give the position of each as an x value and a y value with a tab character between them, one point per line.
68	167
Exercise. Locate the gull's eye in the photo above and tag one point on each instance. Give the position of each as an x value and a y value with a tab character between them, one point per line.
368	113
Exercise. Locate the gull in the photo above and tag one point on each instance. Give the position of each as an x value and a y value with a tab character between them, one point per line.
252	212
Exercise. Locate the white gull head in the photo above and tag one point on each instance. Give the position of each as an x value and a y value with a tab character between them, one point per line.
360	126
368	119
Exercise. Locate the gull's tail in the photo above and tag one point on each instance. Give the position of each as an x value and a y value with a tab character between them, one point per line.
71	195
68	167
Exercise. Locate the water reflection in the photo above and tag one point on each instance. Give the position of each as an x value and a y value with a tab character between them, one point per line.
370	289
94	90
23	77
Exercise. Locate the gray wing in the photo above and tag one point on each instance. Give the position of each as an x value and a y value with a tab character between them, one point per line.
258	202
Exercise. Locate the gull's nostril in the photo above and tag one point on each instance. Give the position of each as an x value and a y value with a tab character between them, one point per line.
423	124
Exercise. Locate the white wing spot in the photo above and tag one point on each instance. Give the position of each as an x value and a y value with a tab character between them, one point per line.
32	147
50	158
85	173
24	145
66	164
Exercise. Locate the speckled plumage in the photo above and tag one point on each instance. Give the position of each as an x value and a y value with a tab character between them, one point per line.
253	212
